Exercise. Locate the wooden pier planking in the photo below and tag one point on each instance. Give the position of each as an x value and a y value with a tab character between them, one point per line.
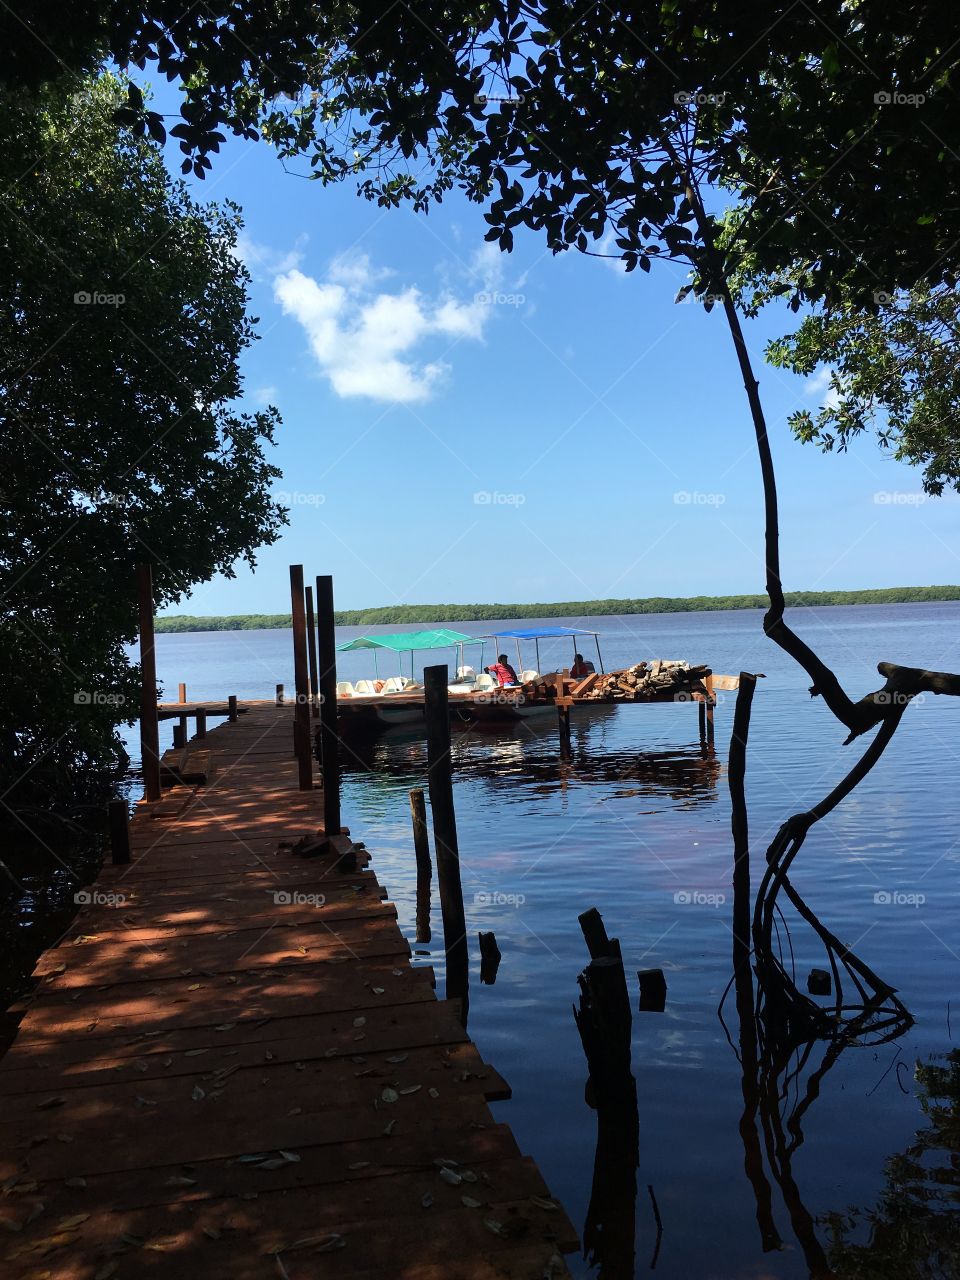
191	1020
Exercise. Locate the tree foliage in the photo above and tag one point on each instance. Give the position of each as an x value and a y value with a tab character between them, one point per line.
122	318
894	369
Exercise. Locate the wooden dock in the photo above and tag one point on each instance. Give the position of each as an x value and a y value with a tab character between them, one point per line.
229	1068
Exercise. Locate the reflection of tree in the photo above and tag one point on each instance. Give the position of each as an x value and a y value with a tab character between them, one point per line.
914	1232
781	1030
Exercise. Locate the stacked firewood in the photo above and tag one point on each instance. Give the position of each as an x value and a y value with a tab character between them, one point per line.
656	679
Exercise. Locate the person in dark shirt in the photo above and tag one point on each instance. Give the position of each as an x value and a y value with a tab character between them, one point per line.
503	671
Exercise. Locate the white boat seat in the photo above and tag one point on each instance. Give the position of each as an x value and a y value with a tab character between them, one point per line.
396	684
464	674
527	676
485	681
344	689
365	688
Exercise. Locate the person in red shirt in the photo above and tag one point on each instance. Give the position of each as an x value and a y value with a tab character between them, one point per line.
503	671
581	668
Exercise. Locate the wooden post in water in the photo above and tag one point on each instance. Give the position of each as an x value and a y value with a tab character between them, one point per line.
702	716
709	707
119	816
232	708
179	737
563	717
279	695
440	774
327	684
182	697
149	728
201	722
312	654
421	847
301	712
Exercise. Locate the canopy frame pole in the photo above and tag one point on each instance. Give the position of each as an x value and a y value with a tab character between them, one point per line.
537	645
596	641
519	657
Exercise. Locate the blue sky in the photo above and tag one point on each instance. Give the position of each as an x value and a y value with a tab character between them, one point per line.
462	425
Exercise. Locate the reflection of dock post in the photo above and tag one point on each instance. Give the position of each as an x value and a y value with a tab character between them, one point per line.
327	693
301	711
440	774
312	654
702	715
421	846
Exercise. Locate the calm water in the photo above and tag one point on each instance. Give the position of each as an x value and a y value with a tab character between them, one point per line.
637	824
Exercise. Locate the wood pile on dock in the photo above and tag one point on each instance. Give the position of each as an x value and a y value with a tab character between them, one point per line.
658	679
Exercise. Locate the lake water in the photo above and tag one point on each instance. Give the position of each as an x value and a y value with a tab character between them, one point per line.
637	824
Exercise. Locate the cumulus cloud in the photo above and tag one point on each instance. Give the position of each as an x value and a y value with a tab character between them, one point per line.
368	341
818	384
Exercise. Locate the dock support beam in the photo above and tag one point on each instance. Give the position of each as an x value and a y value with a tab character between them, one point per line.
119	816
312	654
301	711
421	847
179	737
201	722
440	775
149	728
327	684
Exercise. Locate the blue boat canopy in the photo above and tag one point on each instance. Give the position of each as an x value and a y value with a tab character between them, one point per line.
542	633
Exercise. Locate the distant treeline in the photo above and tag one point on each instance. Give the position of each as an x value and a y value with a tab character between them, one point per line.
565	609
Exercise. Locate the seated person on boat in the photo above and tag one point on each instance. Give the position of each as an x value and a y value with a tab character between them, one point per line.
502	670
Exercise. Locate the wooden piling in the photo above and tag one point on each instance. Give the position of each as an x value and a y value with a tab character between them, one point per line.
702	717
440	775
201	722
603	1018
490	957
421	847
119	819
563	718
179	737
182	697
327	684
279	695
301	713
312	654
149	726
232	707
709	705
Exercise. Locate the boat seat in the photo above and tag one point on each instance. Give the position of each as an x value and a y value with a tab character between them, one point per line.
344	689
365	688
485	681
396	684
526	677
465	674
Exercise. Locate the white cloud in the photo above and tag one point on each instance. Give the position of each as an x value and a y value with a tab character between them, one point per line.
263	262
818	384
264	395
365	339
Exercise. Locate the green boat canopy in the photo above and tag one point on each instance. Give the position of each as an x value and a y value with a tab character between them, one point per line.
406	641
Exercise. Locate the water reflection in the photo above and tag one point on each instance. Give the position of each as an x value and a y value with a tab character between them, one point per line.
685	774
787	1043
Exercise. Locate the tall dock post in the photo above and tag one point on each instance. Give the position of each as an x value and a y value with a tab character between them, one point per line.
421	848
312	654
327	684
182	697
440	775
301	711
149	727
709	707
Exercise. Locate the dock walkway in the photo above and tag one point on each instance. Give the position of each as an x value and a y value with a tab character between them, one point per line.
215	1075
